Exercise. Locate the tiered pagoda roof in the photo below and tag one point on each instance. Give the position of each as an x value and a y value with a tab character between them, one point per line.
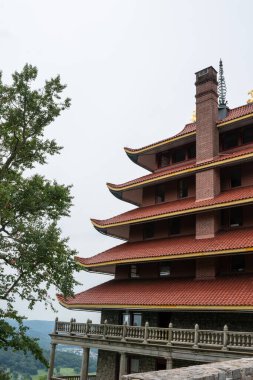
170	173
223	293
178	247
234	115
173	294
233	197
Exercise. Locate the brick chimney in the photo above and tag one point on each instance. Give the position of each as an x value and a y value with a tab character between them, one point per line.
207	147
207	138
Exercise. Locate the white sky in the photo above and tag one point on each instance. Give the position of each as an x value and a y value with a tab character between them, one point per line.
129	66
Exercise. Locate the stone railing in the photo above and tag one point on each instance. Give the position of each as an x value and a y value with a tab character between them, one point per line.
230	370
195	338
77	377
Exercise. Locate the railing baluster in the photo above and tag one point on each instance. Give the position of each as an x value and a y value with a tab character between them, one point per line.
196	336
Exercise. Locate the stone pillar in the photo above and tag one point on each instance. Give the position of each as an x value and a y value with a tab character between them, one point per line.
169	363
85	364
122	365
51	361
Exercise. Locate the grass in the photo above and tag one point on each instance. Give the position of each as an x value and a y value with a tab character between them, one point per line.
63	371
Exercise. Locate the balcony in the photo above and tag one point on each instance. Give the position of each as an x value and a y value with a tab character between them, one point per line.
167	343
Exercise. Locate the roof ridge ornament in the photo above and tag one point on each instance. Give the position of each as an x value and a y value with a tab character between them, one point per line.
222	88
193	118
250	100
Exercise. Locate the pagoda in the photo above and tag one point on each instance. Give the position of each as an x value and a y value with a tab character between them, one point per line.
187	256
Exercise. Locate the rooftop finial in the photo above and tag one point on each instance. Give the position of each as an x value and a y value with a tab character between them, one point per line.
222	88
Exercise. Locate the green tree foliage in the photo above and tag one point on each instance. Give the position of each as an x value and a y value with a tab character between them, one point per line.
33	255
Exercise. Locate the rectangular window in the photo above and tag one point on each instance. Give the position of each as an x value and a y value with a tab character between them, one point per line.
191	151
126	318
178	156
182	188
134	365
148	230
247	135
238	263
175	226
134	271
235	178
136	319
232	217
235	217
163	159
164	270
159	194
230	140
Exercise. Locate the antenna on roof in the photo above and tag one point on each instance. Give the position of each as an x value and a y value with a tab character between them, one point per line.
222	88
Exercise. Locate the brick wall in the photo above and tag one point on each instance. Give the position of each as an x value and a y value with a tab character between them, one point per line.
207	184
207	136
207	224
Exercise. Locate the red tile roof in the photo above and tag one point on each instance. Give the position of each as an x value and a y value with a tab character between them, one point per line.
237	112
173	171
240	239
233	114
183	206
223	292
189	128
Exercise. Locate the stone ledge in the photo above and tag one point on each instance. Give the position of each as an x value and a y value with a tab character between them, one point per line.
228	370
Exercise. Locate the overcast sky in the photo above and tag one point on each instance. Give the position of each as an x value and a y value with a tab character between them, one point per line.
129	66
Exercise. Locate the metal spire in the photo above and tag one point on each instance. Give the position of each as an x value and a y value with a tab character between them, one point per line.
222	88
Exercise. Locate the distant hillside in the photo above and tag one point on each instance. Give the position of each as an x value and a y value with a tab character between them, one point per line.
39	329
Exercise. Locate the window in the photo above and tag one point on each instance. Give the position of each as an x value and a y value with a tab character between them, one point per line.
136	319
230	140
191	151
247	135
175	226
238	263
134	271
232	217
178	156
235	178
163	159
159	194
134	365
235	219
164	270
132	319
148	230
126	318
182	188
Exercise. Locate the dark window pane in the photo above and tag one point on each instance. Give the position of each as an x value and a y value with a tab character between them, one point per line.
238	263
236	217
163	159
182	188
148	230
164	270
134	365
191	151
247	135
178	156
235	178
134	271
160	194
230	140
136	319
175	226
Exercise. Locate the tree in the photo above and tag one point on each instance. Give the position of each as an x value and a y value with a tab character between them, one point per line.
33	255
